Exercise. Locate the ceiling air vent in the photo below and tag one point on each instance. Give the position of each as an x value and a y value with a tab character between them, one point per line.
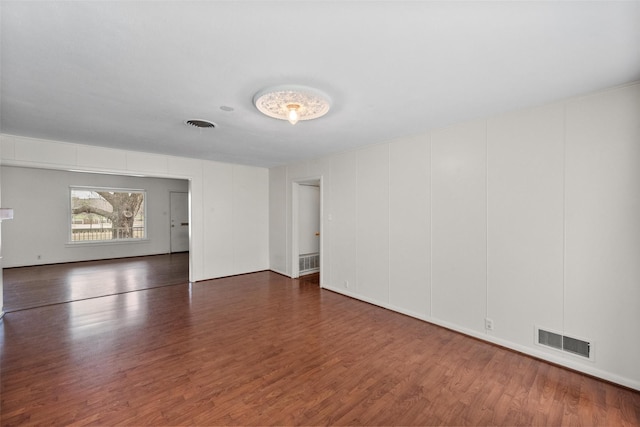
202	124
564	343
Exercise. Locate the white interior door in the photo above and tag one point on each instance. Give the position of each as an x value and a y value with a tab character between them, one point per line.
309	219
179	222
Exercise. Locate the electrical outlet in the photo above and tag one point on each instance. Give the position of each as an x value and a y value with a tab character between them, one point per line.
346	283
39	256
488	324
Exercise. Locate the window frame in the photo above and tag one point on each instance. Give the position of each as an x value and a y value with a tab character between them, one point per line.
93	188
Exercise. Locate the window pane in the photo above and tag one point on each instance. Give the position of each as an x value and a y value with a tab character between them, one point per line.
99	214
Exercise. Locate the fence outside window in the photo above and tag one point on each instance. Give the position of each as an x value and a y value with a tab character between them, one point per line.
107	214
84	234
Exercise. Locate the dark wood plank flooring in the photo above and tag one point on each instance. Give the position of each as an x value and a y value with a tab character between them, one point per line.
262	349
37	286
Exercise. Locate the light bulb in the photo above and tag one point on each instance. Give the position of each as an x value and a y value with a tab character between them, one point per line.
293	115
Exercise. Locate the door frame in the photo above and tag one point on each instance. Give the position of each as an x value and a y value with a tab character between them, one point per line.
295	231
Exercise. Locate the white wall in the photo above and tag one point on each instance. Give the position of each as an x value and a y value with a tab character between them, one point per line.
459	226
410	229
40	199
278	220
529	218
525	154
602	226
1	264
229	203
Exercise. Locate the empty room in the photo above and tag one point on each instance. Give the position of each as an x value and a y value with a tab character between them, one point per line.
320	213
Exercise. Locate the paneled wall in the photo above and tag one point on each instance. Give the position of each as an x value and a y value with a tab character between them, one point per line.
459	225
410	229
278	222
525	157
229	226
528	219
372	225
602	227
1	293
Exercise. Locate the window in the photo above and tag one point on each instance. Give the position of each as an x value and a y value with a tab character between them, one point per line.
107	214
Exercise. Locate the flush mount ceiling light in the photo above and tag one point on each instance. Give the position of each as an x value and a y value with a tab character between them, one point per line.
292	103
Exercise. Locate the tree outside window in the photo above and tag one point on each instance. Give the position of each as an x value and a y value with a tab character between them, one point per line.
103	214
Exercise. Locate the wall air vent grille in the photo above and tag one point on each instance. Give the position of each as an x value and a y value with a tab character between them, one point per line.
564	343
579	347
309	263
550	339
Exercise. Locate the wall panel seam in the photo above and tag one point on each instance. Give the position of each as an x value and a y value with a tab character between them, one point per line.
486	201
564	211
389	223
430	187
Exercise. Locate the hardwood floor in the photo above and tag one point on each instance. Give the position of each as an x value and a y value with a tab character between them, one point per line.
37	286
262	349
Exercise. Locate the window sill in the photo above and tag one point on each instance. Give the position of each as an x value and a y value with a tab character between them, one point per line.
105	242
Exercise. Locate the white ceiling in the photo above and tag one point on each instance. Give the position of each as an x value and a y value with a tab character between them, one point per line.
128	74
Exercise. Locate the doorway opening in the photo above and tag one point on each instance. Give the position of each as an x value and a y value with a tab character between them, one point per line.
306	236
34	250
